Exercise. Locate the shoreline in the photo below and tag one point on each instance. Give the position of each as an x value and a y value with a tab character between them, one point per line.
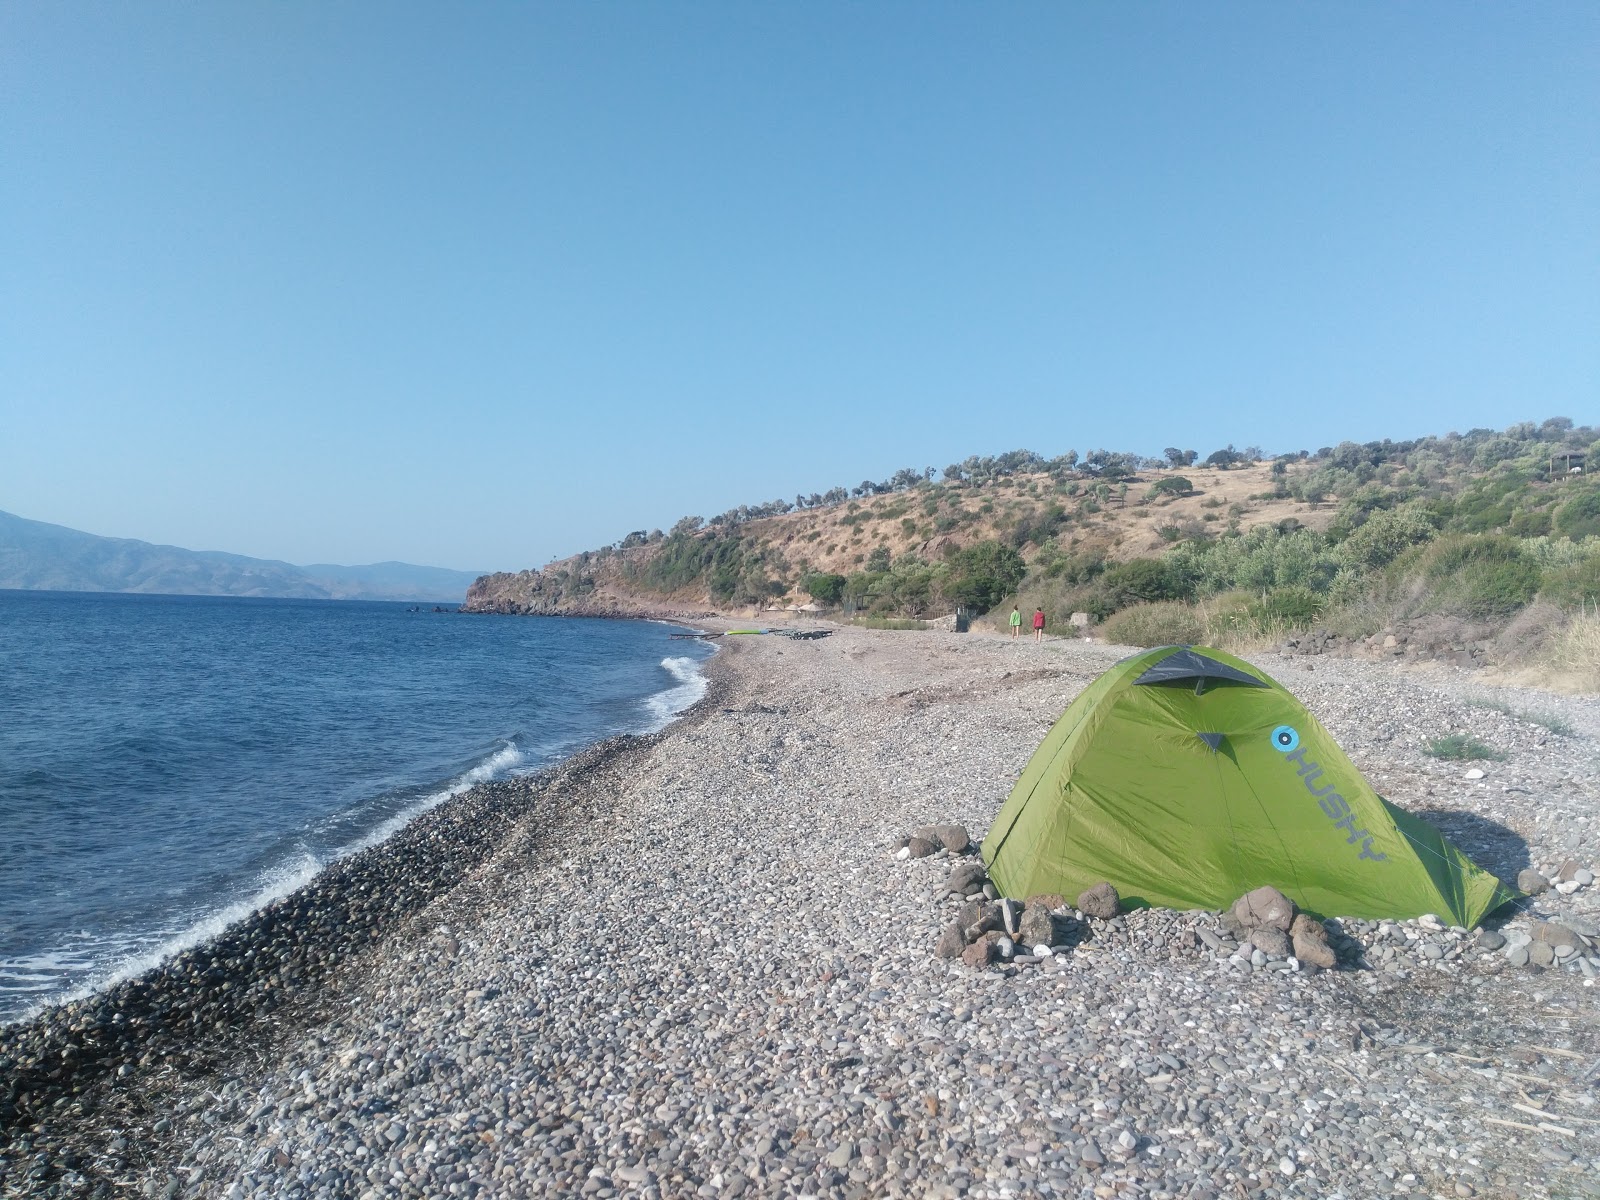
693	966
234	994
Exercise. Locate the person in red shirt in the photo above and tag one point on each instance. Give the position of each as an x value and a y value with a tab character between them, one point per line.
1038	624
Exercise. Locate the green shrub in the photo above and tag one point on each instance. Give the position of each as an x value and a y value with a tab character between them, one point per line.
1294	606
1486	576
981	575
823	587
1385	535
1574	585
1526	522
1164	623
1141	580
1579	517
1462	747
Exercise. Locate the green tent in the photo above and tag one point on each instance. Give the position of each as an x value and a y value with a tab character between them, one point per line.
1185	777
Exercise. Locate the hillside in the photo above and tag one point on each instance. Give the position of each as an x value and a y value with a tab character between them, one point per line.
929	521
1466	533
35	555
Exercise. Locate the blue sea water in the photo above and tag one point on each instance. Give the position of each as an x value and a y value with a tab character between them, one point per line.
168	764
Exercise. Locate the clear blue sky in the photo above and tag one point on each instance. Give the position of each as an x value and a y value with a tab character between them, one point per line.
477	285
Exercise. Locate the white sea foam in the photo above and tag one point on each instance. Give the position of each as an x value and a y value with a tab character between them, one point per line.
691	685
273	884
279	881
503	761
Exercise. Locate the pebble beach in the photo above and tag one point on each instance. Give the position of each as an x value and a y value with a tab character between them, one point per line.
693	965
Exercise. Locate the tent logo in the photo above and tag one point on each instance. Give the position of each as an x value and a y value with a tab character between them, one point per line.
1286	740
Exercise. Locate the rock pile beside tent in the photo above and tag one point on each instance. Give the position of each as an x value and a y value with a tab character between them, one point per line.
1261	931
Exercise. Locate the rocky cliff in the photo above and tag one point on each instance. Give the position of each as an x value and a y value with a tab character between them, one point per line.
567	590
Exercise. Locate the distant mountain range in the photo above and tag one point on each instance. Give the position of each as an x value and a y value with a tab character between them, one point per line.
36	556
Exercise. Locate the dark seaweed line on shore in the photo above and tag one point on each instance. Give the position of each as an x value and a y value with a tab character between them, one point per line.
77	1074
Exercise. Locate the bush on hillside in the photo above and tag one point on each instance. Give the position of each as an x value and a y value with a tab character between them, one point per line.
1579	517
1386	535
981	575
823	587
1172	485
1575	585
1294	606
1166	623
1262	559
1486	576
1140	580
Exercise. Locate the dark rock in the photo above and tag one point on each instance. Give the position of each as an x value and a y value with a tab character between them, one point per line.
1038	927
1101	901
951	942
983	951
988	919
1272	942
921	847
1488	939
1265	908
1541	954
1569	871
1531	883
1309	938
953	838
968	877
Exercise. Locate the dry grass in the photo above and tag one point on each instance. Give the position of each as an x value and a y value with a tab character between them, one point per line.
1234	622
1165	623
1562	656
1571	660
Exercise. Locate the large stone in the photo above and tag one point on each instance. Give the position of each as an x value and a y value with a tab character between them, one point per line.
1265	908
921	847
986	919
951	942
1569	871
1011	917
1553	934
1309	939
1100	901
1272	942
983	951
968	877
1531	883
1316	953
1541	954
1038	928
953	838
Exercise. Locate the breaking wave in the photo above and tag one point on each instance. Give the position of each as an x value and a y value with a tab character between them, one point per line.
691	685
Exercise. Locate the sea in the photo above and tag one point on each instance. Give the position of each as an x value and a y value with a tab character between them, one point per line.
169	764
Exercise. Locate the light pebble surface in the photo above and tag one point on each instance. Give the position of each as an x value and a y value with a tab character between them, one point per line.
721	983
